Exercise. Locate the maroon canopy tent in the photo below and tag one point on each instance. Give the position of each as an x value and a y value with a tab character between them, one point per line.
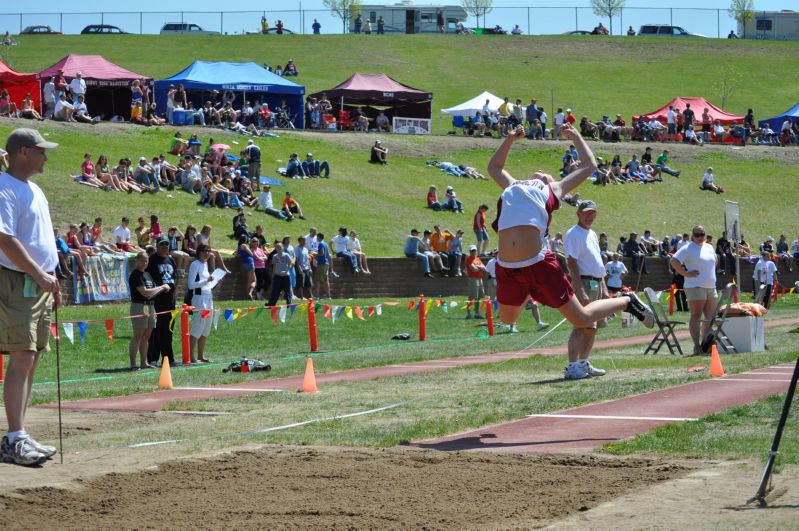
698	105
381	91
18	85
107	84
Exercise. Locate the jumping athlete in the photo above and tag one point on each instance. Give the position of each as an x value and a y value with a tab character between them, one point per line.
525	268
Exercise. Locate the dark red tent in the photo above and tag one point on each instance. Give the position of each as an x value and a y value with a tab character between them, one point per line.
698	105
381	91
18	85
107	84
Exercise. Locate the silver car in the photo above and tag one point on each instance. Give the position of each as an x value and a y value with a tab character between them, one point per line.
185	28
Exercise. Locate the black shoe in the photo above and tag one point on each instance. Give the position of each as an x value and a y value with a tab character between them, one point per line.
640	311
429	275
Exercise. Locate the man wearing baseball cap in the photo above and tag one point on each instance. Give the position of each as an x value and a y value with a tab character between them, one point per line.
584	260
163	270
28	286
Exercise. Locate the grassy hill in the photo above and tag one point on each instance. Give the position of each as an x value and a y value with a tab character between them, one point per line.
591	75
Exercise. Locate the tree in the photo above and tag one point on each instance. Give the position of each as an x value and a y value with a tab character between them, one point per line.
343	9
607	8
477	8
743	11
729	80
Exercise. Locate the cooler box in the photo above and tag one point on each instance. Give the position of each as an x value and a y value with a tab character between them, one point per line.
747	334
179	117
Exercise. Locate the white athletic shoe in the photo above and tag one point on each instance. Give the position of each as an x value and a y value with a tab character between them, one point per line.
20	452
586	366
573	371
512	329
542	325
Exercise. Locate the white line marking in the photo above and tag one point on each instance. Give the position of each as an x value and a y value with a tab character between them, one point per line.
415	367
729	379
607	417
142	445
772	373
222	389
208	413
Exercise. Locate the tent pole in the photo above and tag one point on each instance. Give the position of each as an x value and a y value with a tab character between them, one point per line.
41	99
340	125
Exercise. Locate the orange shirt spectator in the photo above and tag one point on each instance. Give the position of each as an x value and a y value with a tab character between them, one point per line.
440	240
474	267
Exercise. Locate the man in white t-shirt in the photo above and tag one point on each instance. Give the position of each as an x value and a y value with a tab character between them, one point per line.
587	271
81	113
764	275
671	121
77	87
28	287
63	110
49	97
340	243
122	238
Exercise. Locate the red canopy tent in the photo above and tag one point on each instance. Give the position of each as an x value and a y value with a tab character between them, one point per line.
698	105
18	85
107	84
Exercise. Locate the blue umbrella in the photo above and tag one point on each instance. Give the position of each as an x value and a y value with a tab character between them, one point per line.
269	180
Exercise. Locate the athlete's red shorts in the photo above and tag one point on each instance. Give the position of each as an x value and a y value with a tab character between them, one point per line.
545	282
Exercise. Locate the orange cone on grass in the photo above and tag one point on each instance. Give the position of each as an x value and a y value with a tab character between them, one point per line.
165	381
716	369
309	381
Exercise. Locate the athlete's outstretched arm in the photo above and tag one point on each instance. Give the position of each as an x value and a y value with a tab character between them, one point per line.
587	163
496	166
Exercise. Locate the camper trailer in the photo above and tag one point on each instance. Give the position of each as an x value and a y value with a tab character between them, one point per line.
409	17
772	25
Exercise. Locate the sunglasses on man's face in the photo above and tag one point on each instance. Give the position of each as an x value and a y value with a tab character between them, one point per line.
699	234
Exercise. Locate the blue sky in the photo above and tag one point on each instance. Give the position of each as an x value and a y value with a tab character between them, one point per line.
555	18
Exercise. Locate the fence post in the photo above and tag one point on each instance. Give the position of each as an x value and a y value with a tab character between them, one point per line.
312	326
221	22
575	19
422	319
141	24
529	29
671	16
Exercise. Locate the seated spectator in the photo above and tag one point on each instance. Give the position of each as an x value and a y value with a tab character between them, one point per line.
379	153
414	249
27	110
588	129
180	257
151	116
144	174
63	110
291	69
215	260
265	202
691	137
340	247
294	168
718	131
291	207
360	120
315	168
142	234
476	124
107	176
738	131
707	182
81	113
240	225
122	237
382	123
65	256
179	145
650	243
662	162
632	248
782	255
75	241
455	254
354	246
7	107
97	237
439	241
87	175
436	261
432	199
452	202
194	146
189	244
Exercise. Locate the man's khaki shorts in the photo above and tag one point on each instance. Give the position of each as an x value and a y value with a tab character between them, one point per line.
594	294
24	321
700	294
321	273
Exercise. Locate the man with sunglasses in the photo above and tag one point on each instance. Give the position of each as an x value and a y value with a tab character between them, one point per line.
29	288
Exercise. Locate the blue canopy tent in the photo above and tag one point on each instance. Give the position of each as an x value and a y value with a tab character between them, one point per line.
247	80
776	122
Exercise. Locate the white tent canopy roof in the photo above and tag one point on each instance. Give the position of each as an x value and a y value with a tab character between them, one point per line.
468	108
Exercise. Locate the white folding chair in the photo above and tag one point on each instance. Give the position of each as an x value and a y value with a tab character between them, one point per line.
665	333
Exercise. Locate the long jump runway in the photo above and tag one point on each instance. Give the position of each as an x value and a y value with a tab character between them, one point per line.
575	430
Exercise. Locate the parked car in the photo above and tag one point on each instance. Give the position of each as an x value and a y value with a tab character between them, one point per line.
273	31
39	30
578	32
183	28
101	29
665	30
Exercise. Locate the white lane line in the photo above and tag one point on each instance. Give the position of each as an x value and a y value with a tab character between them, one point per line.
142	445
759	373
201	413
729	379
223	389
607	417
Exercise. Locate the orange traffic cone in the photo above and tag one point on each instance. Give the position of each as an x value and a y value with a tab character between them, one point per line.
309	381
165	381
716	369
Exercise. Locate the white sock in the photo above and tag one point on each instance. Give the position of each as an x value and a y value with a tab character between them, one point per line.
14	435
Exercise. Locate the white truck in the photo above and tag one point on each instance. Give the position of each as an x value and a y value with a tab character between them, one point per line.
409	17
772	25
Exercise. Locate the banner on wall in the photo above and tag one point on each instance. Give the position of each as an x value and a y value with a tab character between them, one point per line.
107	280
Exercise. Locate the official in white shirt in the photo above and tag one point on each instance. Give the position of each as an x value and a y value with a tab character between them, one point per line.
765	272
584	260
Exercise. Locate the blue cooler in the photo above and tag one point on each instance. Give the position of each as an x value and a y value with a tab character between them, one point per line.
179	117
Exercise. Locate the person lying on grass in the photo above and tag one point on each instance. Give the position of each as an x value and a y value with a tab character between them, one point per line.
525	268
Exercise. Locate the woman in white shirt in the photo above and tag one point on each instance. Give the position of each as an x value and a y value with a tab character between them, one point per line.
202	300
707	182
697	263
354	246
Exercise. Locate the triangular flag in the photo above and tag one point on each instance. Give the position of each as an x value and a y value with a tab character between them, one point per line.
341	310
82	331
292	308
174	315
304	308
229	316
236	314
370	311
349	312
69	331
496	305
282	314
445	308
205	314
326	311
54	332
217	314
453	304
359	313
438	303
109	329
258	312
379	309
427	306
334	314
273	310
410	304
317	306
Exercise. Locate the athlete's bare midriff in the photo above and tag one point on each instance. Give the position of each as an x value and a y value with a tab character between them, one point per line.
519	243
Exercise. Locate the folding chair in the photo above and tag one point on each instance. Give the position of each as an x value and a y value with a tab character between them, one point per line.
716	324
665	333
458	123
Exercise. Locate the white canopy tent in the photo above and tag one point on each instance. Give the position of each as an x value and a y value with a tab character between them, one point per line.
468	108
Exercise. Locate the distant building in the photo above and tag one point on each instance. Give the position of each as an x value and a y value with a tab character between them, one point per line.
409	17
772	25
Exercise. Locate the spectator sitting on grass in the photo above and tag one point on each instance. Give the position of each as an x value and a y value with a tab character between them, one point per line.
452	202
291	207
379	153
87	174
707	182
290	69
432	199
315	168
63	110
179	145
718	131
266	203
294	169
691	136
